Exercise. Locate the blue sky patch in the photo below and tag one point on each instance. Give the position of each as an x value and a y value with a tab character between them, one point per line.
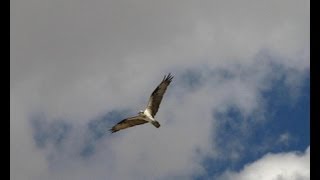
98	128
54	132
287	118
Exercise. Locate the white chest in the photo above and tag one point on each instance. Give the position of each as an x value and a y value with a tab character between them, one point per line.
148	114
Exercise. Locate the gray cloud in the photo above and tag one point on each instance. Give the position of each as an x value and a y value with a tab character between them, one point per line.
77	60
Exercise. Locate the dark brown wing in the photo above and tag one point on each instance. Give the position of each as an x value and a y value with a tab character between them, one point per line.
128	122
157	94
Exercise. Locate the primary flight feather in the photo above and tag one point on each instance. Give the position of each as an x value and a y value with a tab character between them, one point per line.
151	110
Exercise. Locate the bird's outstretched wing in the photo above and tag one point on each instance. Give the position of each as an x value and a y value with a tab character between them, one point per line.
128	122
157	94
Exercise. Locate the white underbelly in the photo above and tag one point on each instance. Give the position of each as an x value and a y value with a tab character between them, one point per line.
147	113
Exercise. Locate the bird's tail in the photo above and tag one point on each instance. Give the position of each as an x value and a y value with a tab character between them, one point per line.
155	123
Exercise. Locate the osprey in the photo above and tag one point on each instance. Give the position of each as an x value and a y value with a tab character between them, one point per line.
151	110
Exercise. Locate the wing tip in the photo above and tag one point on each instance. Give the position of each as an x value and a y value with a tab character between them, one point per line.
113	130
168	77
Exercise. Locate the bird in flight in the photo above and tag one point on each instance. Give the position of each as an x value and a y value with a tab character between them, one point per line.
151	110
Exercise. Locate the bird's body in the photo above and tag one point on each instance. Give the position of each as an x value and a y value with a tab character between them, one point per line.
147	116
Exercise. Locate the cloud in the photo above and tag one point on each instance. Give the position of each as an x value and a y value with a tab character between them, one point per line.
26	160
278	166
78	61
284	138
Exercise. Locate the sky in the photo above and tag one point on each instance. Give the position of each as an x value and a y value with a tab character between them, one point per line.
237	108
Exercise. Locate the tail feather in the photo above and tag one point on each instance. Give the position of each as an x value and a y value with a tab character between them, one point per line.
156	124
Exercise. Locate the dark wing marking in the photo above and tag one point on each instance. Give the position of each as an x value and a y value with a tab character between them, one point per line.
128	122
157	94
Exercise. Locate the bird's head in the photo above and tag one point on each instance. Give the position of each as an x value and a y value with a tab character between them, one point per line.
140	112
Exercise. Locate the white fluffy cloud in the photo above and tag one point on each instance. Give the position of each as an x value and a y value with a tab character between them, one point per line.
76	60
279	166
